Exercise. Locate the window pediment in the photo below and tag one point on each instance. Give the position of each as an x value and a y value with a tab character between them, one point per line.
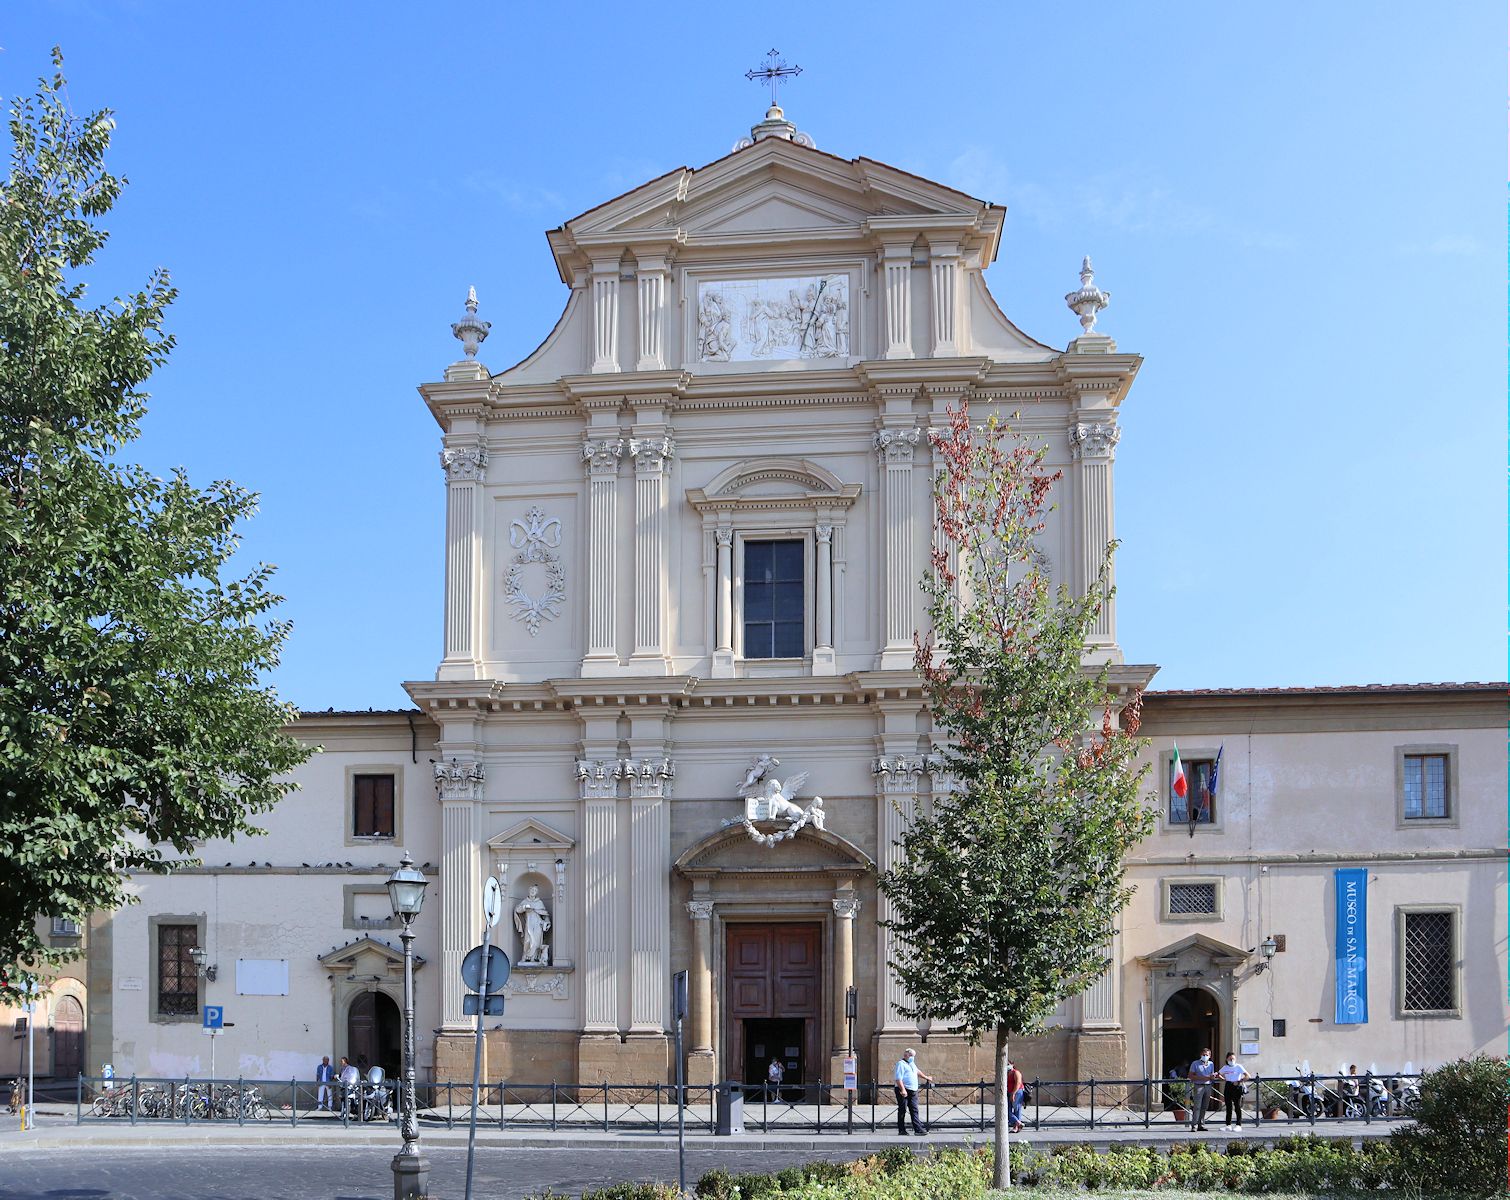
774	483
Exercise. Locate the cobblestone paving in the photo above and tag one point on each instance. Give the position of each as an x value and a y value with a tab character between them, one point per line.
342	1173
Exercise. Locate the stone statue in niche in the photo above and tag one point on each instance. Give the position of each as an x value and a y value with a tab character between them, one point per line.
532	920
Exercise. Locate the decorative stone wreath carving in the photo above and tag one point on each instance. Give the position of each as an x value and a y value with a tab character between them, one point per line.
536	538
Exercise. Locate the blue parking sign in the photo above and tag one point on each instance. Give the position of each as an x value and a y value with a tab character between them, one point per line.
214	1016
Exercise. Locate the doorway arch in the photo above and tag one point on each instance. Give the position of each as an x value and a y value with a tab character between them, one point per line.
67	1039
374	1032
1192	1022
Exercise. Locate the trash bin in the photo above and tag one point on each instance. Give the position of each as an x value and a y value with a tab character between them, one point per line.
731	1109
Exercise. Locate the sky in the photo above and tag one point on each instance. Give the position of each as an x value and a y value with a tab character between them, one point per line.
1298	210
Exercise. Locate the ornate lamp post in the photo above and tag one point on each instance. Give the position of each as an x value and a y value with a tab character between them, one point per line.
411	1172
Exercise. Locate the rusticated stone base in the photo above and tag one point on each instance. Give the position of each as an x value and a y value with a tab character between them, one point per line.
523	1056
1100	1054
949	1058
701	1068
639	1058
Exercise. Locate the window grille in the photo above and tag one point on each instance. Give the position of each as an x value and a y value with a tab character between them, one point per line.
1425	786
1187	899
372	806
177	977
1429	945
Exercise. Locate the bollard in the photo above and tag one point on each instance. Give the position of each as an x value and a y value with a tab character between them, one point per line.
293	1102
78	1102
1093	1104
1147	1101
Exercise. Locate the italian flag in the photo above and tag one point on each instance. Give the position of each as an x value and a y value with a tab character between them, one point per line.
1177	771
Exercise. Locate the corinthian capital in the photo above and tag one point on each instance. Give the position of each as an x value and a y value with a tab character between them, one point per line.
602	454
897	445
700	910
846	908
650	454
463	463
458	780
1093	439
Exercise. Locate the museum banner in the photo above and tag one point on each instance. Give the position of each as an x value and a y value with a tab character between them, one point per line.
1352	946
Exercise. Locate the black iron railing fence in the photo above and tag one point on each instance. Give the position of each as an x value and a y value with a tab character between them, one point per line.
505	1104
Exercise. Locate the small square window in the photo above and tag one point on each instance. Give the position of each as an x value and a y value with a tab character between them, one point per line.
1198	805
1425	787
372	806
63	927
1192	898
774	600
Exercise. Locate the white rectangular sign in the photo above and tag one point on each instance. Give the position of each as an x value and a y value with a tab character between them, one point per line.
262	976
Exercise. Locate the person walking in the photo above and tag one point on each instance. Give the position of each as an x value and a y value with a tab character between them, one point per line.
1201	1073
905	1081
1233	1073
324	1073
1014	1097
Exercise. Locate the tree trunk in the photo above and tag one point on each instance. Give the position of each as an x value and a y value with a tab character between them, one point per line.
1001	1176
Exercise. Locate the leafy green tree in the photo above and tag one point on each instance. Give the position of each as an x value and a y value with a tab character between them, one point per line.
1005	892
133	717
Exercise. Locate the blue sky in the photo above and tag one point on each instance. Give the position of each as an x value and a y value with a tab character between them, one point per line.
1298	210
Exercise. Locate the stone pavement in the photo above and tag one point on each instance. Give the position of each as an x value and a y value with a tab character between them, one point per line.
56	1129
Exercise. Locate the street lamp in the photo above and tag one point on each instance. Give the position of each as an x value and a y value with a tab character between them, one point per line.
411	1173
1267	949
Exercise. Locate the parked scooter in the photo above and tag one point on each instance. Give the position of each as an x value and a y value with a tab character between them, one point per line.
1306	1098
370	1099
1404	1095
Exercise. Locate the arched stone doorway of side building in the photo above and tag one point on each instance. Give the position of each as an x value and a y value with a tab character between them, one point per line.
67	1039
1190	1023
1192	992
374	1032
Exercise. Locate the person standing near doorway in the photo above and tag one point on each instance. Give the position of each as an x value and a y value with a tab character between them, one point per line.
324	1073
1201	1073
773	1076
905	1081
1233	1073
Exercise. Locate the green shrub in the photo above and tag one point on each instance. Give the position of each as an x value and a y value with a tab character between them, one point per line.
1458	1145
635	1191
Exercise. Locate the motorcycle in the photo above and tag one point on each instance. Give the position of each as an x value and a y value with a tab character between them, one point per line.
1305	1096
1378	1097
1405	1094
368	1099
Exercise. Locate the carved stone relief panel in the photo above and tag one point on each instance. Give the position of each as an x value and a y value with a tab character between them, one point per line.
746	320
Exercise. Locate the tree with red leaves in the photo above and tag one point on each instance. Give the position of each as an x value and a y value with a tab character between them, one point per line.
1006	891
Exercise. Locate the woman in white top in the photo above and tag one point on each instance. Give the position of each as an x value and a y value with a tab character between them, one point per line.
1233	1073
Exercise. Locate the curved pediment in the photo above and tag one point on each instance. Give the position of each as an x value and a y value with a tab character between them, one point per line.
731	851
774	483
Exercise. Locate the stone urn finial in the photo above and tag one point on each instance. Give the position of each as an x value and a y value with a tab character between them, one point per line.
1089	300
470	331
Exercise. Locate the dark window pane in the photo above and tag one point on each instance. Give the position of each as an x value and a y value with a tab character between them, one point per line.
788	557
177	977
758	602
757	562
372	806
758	640
789	602
788	639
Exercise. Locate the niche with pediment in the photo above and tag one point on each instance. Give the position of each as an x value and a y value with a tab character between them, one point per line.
532	862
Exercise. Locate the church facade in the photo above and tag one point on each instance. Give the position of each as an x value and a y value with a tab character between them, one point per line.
676	717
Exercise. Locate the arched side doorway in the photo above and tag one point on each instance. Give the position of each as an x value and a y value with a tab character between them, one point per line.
1192	993
374	1033
1192	1022
67	1039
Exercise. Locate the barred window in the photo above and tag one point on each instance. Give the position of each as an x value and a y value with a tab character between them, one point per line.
372	806
1425	786
1190	899
1429	949
177	977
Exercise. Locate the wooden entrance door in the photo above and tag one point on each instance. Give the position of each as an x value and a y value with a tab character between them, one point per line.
67	1039
773	972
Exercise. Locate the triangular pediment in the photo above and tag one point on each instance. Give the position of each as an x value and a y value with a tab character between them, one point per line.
1197	947
366	956
764	191
531	834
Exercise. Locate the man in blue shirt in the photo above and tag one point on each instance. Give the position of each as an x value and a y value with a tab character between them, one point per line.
905	1081
1201	1072
324	1073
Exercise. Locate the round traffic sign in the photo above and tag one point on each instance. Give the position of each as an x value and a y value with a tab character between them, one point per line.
492	901
498	969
